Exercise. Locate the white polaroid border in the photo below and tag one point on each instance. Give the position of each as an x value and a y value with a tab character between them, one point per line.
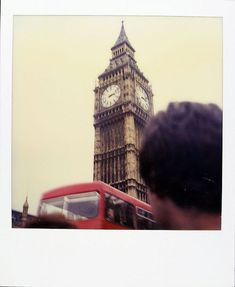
110	258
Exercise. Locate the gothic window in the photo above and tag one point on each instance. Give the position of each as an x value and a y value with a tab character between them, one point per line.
105	140
111	137
108	168
116	169
101	169
112	170
121	166
109	141
102	140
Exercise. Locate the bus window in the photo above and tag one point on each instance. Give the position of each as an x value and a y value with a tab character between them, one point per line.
77	206
119	211
144	219
82	206
50	206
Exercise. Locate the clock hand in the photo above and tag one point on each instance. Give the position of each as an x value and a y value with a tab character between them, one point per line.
111	95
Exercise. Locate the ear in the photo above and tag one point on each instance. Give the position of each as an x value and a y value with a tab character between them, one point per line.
153	198
155	202
164	211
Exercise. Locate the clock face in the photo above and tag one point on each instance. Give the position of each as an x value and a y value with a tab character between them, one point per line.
142	97
110	96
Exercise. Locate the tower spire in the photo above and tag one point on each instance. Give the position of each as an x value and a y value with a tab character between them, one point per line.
123	38
26	205
25	212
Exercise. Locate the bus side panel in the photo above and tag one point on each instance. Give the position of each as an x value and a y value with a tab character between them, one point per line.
110	225
90	224
98	224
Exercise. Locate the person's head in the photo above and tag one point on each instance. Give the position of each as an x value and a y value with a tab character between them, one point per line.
181	162
53	221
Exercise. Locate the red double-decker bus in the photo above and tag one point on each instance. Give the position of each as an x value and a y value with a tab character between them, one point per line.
97	205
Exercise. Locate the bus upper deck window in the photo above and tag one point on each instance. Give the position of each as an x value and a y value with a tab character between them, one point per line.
76	206
54	205
82	206
118	211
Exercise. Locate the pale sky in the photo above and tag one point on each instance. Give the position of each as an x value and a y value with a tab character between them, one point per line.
56	61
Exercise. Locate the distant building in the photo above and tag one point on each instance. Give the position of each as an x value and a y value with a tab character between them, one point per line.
20	219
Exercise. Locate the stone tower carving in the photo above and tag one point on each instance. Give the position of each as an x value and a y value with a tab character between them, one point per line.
123	105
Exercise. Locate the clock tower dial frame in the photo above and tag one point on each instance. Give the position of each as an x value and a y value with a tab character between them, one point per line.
110	96
123	106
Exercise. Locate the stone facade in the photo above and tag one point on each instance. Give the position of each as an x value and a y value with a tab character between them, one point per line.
123	106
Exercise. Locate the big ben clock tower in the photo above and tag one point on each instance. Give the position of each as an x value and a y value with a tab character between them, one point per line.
123	105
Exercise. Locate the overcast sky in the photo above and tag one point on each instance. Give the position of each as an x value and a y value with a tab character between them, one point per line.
56	61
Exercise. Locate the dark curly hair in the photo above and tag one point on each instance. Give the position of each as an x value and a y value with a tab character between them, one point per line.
181	155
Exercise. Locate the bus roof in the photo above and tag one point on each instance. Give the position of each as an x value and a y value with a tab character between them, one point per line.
91	186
